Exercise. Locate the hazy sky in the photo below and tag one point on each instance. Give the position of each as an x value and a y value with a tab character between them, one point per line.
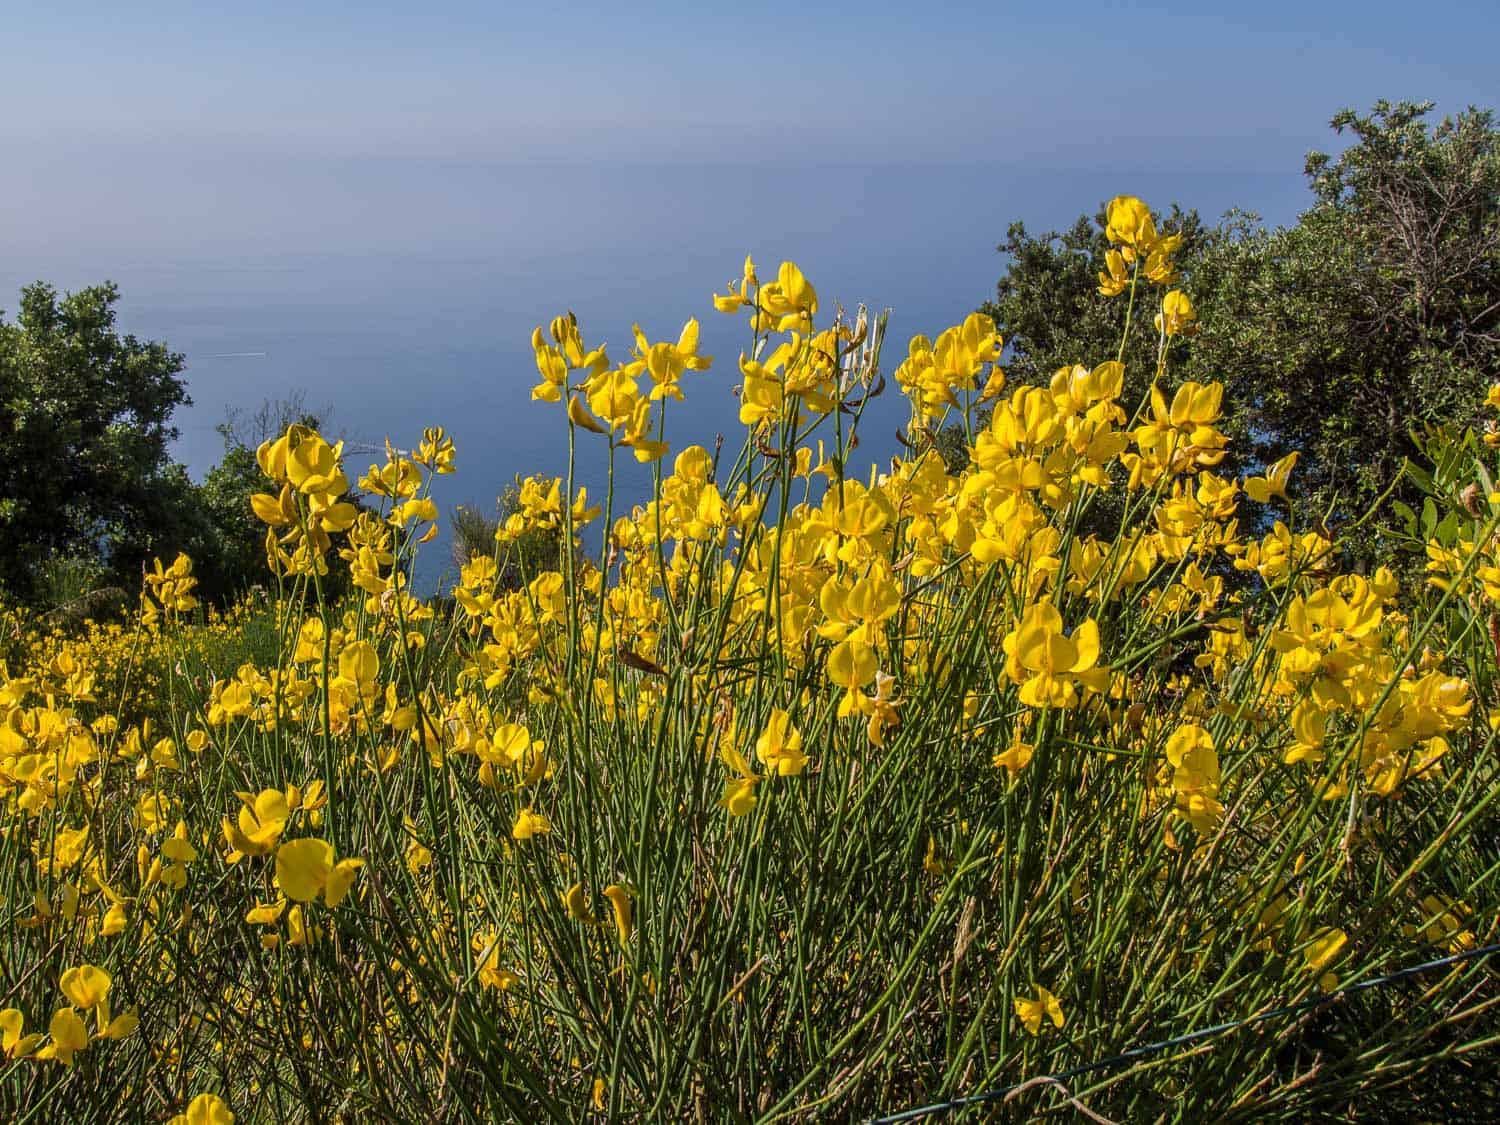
120	115
377	202
675	81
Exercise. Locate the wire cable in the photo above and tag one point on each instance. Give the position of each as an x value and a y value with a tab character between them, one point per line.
1190	1037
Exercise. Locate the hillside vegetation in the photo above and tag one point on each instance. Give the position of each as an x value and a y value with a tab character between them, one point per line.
809	790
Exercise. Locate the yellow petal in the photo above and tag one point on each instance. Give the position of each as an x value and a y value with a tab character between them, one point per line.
85	986
303	867
581	417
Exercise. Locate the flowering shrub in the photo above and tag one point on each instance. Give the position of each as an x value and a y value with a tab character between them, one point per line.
794	792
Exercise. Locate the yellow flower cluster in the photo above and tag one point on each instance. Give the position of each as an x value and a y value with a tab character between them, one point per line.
554	806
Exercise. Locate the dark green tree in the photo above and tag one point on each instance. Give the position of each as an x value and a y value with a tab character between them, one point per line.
232	555
536	550
230	548
1048	308
1377	313
84	434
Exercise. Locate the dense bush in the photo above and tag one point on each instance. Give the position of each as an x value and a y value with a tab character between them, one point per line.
795	793
1377	311
84	430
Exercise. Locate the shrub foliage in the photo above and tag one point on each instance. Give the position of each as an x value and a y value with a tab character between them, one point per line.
796	793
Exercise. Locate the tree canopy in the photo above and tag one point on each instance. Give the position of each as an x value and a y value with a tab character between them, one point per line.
1376	313
84	435
89	491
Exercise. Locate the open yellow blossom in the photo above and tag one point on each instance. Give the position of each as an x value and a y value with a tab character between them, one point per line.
1195	777
1274	482
14	1044
262	818
1050	664
205	1109
665	363
739	790
1031	1011
68	1037
306	869
1015	758
85	986
1114	279
528	824
779	746
789	302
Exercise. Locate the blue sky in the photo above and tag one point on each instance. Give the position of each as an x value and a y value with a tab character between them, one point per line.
192	129
1063	82
374	197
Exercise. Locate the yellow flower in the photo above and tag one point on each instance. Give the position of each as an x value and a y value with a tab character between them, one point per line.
619	902
1261	489
739	791
266	913
1015	758
487	956
302	868
121	1027
205	1109
851	664
1195	777
612	396
1322	952
789	302
312	465
1050	664
306	868
936	862
780	745
1113	279
529	824
359	664
1443	924
739	795
1177	316
85	986
553	369
172	586
296	930
1128	222
576	903
436	450
578	414
1032	1011
13	1044
69	1036
340	879
1194	406
262	819
735	300
666	362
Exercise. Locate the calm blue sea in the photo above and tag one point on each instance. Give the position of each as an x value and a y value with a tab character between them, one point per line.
405	295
